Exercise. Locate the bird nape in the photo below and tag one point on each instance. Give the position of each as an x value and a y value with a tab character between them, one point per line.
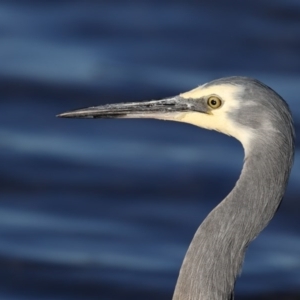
260	119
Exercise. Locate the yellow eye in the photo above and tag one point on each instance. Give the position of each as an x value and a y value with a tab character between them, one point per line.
214	102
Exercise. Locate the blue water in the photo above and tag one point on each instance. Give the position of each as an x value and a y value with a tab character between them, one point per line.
105	209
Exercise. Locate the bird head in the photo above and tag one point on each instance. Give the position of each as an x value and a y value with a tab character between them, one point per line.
237	106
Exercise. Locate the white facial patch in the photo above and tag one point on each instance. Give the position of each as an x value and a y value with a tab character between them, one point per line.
218	119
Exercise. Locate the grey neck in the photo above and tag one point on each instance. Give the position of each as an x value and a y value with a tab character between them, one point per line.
216	253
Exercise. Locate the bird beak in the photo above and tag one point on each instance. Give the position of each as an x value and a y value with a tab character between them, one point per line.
160	109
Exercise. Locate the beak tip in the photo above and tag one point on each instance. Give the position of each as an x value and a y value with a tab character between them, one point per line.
62	115
79	114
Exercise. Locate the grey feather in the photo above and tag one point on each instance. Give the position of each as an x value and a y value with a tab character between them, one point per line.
216	254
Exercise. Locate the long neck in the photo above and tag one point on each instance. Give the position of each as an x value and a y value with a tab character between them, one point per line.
216	253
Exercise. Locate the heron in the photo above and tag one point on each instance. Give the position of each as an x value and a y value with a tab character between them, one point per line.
260	119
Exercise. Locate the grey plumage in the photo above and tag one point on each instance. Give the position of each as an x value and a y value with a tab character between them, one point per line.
232	225
260	118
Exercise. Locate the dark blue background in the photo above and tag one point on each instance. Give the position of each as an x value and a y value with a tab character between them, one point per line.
105	209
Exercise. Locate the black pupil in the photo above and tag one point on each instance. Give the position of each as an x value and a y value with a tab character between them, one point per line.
213	102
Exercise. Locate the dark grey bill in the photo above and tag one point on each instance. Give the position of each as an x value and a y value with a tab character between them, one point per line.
169	105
